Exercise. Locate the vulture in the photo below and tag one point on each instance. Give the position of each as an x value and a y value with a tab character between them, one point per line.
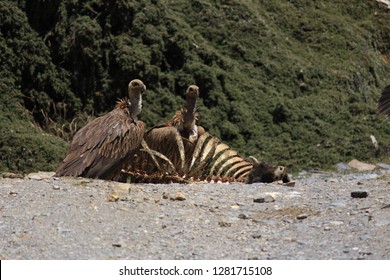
384	103
104	146
165	138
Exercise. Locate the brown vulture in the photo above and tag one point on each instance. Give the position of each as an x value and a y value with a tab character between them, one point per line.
104	146
164	138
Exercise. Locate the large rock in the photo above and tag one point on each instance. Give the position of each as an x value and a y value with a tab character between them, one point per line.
40	175
361	166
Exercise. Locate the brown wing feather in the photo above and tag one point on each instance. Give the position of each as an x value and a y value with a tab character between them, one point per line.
177	120
384	103
103	146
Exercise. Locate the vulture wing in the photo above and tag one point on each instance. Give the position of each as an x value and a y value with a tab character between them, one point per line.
103	146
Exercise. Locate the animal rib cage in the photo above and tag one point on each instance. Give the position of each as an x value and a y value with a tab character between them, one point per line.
211	160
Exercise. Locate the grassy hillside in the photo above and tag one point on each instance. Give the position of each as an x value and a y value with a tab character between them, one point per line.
290	82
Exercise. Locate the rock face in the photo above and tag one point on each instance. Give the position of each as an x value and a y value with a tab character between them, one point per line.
267	173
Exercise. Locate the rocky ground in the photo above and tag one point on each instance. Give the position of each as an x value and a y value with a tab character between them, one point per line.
324	216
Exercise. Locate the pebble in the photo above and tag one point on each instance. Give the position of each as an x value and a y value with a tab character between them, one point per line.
178	196
113	196
56	188
359	194
275	195
165	195
243	216
332	180
301	216
266	199
336	223
289	239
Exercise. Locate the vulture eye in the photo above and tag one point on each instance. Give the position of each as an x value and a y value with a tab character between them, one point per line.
135	84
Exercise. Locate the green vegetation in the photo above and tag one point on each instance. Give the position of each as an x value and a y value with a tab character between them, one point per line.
289	82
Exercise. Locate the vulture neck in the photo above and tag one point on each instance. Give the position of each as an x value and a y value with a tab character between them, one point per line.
189	115
136	106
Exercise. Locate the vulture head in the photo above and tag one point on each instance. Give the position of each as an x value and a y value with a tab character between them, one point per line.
136	88
192	91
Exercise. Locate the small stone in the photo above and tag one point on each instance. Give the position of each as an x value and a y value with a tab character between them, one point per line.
256	236
178	196
243	216
332	180
117	245
56	188
274	195
336	223
259	200
266	199
13	193
113	197
165	195
359	194
269	198
289	239
302	217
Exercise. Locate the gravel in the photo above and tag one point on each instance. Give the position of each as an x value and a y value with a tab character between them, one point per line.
44	217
